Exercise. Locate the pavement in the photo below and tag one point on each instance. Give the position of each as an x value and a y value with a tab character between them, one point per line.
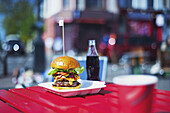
112	71
6	83
13	62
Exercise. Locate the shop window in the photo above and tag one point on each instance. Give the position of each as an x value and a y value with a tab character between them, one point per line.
122	25
95	4
158	4
139	4
80	5
66	4
125	3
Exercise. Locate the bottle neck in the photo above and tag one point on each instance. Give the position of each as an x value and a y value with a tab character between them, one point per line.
92	51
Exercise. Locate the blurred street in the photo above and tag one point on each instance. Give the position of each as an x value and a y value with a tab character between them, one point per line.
6	83
13	63
163	83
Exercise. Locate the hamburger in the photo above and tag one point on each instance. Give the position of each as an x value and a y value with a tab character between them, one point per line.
65	71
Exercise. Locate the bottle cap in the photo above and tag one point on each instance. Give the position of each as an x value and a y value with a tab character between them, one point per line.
91	42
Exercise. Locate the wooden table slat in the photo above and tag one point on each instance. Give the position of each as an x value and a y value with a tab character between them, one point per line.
164	92
110	96
81	101
103	99
23	104
48	101
161	104
162	97
5	108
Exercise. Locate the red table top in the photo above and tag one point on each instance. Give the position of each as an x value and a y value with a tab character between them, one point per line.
37	100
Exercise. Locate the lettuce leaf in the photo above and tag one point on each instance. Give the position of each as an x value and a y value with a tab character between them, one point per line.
79	70
75	70
52	71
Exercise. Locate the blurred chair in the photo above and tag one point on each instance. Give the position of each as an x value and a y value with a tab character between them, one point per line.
103	60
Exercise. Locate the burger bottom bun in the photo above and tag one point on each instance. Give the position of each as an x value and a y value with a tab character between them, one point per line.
63	88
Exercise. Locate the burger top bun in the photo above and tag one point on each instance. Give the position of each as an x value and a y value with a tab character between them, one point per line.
65	62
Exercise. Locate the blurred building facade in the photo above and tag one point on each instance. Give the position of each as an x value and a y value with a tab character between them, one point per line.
137	25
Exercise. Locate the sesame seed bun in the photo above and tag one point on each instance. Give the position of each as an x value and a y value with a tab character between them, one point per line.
65	62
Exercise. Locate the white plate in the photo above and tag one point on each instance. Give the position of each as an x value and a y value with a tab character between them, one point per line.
87	87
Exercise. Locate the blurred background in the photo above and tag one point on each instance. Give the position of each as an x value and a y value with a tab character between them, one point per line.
133	34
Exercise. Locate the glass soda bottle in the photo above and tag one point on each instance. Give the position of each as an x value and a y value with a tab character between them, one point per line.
92	62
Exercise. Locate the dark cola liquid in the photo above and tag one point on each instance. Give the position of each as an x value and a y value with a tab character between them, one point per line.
92	67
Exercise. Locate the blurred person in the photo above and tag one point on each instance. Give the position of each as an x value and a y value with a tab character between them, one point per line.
58	44
16	73
25	77
107	45
48	50
135	66
111	48
164	55
0	45
103	45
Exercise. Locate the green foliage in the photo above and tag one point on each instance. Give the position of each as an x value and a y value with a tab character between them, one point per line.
19	18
